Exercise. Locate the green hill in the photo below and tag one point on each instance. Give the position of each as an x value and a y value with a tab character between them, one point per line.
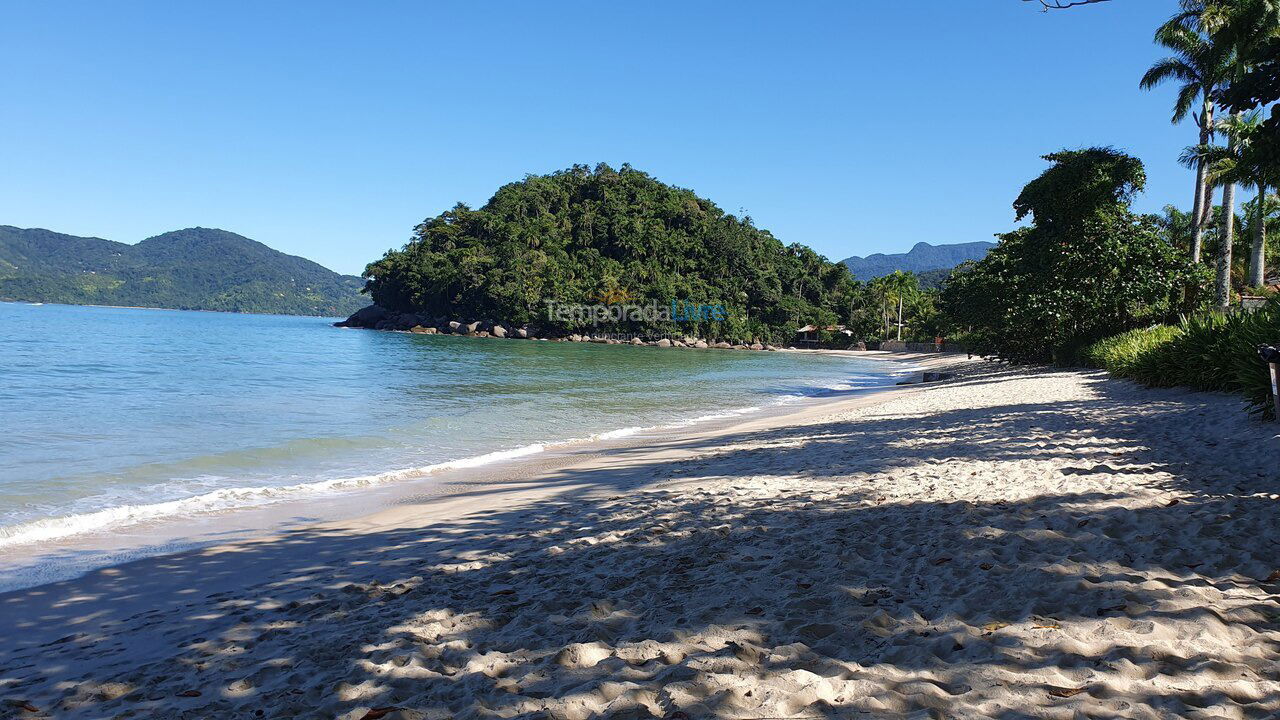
583	236
192	269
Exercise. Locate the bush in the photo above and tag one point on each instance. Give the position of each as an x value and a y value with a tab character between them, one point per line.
1212	352
1130	353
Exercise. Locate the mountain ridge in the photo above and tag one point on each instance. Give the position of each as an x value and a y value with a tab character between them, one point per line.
920	258
190	269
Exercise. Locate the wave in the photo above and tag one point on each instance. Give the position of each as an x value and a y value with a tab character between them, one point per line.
242	498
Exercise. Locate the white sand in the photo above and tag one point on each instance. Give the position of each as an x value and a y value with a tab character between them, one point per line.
1009	544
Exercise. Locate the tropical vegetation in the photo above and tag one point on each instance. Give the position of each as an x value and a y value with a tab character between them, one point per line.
584	236
1158	299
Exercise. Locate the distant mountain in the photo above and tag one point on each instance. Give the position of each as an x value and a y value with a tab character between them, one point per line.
922	257
192	269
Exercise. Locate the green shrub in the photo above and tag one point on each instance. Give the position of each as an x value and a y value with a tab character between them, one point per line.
1130	353
1212	352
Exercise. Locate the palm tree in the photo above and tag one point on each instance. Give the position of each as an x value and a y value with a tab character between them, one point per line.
900	285
1238	162
1202	67
1176	227
1259	211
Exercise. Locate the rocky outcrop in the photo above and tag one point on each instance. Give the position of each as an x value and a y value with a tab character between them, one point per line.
375	317
365	317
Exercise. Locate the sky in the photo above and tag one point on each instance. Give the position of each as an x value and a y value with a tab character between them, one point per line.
329	130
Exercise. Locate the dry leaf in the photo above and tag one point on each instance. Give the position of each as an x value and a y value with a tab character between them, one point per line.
756	611
25	706
1082	523
1274	576
986	566
1054	626
376	713
189	693
1066	692
1172	502
941	560
994	626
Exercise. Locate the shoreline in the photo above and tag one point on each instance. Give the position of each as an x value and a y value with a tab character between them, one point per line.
83	551
168	309
1029	541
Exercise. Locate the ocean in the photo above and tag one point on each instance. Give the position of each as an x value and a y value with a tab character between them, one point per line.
120	427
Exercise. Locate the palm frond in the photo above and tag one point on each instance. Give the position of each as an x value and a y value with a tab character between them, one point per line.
1186	100
1168	69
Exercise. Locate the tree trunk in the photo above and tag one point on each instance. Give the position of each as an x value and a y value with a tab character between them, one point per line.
1222	290
899	317
1257	263
1203	196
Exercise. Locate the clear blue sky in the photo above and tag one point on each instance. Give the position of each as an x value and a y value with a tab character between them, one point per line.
329	129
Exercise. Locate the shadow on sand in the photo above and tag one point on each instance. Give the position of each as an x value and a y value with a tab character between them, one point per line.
668	588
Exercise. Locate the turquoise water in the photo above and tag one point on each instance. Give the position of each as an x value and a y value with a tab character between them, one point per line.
113	417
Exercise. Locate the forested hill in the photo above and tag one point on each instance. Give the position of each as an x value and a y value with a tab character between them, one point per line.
581	235
192	269
921	258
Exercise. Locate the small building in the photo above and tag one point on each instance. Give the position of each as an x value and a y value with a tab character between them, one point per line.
811	334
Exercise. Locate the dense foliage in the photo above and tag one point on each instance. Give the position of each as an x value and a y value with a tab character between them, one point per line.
586	236
193	269
1086	266
1206	352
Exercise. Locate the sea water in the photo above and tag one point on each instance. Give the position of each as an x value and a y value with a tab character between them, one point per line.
115	418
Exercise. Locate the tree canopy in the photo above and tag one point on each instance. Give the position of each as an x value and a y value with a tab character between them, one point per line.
586	235
1087	266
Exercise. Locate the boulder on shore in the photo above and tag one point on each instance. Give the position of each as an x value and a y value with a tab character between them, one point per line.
722	345
757	346
701	344
419	329
365	317
455	326
521	333
637	341
499	331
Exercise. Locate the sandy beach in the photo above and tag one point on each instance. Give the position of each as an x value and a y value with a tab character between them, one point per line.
1009	543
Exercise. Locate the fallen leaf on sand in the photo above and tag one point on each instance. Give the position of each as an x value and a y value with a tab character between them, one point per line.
941	560
1066	692
1113	608
994	626
1274	576
986	566
189	693
805	585
1048	626
376	713
24	706
1082	523
1172	502
756	611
